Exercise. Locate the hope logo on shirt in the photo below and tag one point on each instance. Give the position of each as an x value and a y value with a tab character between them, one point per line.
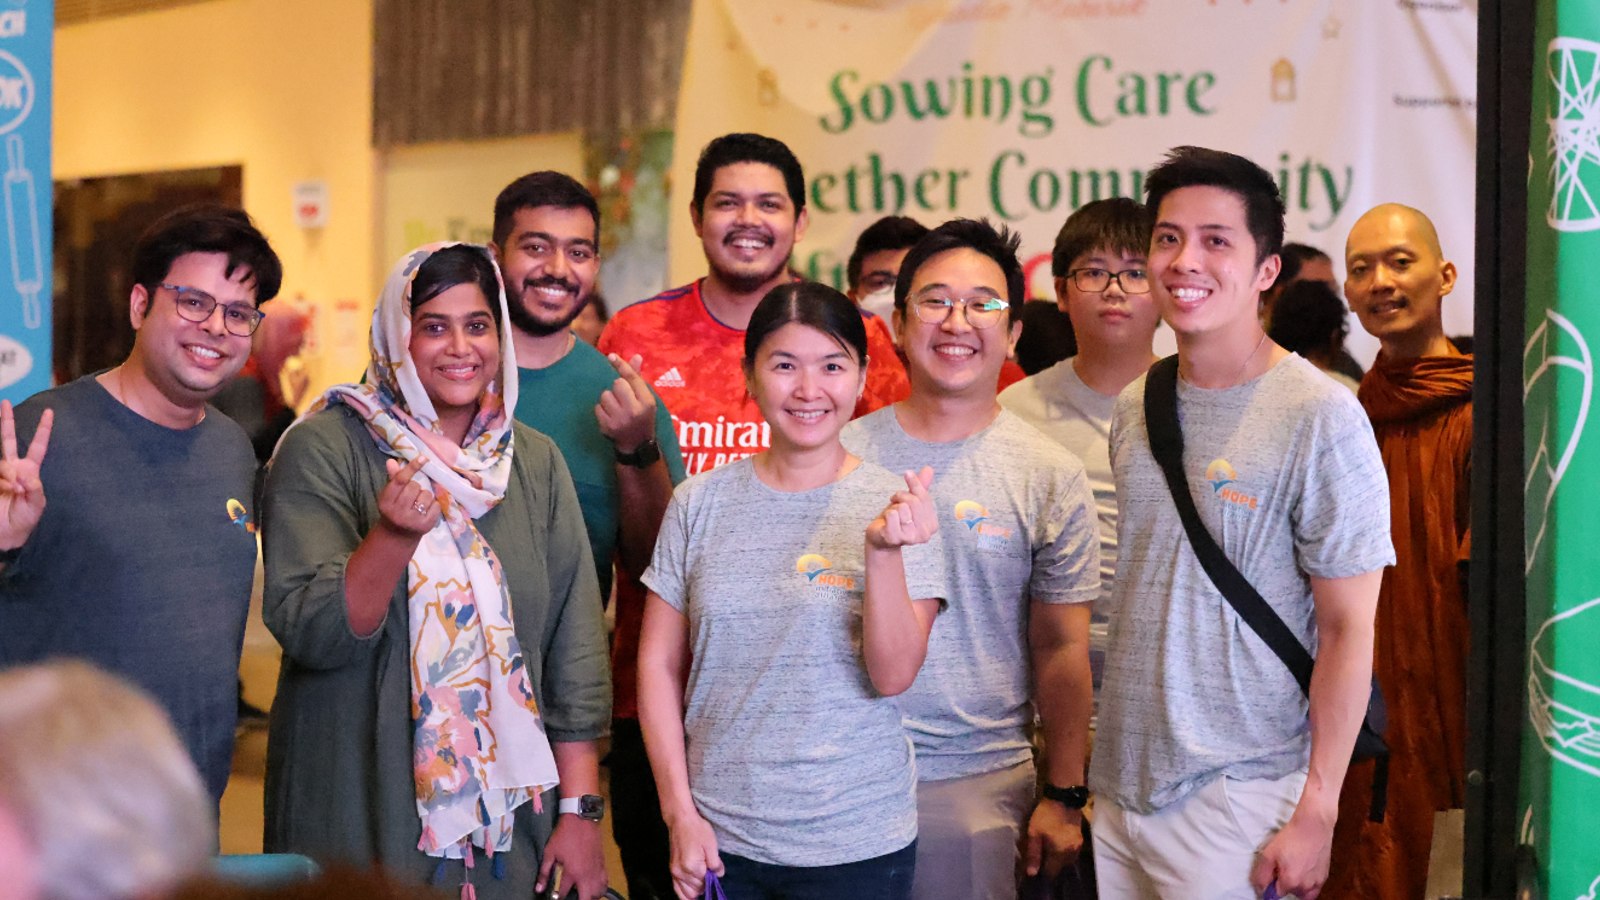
975	516
240	516
1222	478
819	571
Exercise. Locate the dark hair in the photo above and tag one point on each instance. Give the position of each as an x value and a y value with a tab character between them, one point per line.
1253	185
1115	223
1295	257
1047	336
537	189
453	265
972	234
742	147
1306	318
888	233
207	228
812	304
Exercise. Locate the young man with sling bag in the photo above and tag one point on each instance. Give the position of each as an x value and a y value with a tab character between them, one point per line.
1217	772
1166	443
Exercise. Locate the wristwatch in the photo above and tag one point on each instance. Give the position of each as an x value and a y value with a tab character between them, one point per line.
1074	797
643	456
589	806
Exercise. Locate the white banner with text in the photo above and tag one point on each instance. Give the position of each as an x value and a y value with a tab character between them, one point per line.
1023	110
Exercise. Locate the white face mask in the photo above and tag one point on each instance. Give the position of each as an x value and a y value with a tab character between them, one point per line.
880	303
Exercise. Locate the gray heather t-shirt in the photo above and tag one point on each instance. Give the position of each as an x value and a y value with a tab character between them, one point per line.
1286	475
1018	523
793	758
1078	417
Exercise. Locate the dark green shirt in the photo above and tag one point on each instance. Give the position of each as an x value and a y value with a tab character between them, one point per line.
558	401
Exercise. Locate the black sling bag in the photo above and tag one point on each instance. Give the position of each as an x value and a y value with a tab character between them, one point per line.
1166	444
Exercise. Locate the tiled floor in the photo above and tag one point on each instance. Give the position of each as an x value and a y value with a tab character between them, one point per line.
241	804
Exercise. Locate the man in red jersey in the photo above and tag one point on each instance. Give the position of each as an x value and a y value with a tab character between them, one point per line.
748	209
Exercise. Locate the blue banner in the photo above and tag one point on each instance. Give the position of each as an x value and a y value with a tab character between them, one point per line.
26	31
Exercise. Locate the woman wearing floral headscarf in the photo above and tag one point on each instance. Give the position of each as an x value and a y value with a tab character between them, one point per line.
428	575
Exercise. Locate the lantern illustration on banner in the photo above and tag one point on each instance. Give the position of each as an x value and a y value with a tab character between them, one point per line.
1283	81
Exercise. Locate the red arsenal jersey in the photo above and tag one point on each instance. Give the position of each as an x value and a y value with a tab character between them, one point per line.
694	363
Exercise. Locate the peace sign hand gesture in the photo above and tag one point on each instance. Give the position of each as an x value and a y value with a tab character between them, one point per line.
21	491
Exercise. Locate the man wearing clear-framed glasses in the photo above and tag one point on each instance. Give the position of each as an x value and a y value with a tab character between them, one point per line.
126	533
1023	566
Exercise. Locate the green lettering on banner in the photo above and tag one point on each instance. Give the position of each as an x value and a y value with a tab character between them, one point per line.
995	202
1561	738
1083	89
969	95
1197	88
846	108
820	185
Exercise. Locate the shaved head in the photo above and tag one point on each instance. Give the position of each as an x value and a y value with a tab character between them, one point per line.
1396	278
1409	219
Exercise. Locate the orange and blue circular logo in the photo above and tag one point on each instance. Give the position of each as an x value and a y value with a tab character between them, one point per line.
811	565
1220	474
240	516
970	514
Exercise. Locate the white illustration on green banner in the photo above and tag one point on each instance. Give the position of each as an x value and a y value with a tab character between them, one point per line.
1548	353
1574	68
1565	705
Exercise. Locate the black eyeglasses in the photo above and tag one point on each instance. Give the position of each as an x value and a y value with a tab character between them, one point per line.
195	305
1093	281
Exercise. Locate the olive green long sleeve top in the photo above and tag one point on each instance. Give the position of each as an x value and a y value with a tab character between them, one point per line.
339	754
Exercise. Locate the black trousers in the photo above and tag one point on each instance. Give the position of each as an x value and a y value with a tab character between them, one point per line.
636	815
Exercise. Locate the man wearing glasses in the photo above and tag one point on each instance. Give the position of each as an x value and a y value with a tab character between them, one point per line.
126	532
1022	561
1101	284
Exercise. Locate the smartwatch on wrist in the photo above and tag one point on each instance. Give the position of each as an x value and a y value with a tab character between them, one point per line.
643	456
1074	797
589	806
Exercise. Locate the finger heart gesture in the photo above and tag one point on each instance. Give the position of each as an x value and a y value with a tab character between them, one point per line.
627	410
910	518
407	506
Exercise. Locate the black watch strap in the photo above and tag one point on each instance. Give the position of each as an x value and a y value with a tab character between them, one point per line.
642	456
1074	797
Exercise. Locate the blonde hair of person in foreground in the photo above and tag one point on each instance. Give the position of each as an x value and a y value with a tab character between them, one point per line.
98	797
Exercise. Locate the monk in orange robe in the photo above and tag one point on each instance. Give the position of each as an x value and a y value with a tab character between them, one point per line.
1419	396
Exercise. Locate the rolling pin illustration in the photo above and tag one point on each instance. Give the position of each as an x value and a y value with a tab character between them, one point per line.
22	226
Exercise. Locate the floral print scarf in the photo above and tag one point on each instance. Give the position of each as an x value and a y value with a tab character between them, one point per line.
479	744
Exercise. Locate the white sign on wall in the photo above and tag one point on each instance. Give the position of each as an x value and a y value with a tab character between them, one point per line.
1023	110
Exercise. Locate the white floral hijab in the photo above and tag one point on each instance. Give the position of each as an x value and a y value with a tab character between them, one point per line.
479	745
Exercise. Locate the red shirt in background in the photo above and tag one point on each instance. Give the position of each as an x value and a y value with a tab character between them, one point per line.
695	364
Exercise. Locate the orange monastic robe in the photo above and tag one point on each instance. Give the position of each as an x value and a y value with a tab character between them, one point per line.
1421	411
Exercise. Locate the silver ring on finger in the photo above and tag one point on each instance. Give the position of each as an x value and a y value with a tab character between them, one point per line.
421	506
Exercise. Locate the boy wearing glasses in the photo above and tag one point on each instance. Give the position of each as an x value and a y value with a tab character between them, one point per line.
141	561
1022	562
1101	284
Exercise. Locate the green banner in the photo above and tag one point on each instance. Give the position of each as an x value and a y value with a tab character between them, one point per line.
1561	747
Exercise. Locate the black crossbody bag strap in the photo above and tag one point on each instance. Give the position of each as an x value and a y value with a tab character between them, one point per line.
1166	444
